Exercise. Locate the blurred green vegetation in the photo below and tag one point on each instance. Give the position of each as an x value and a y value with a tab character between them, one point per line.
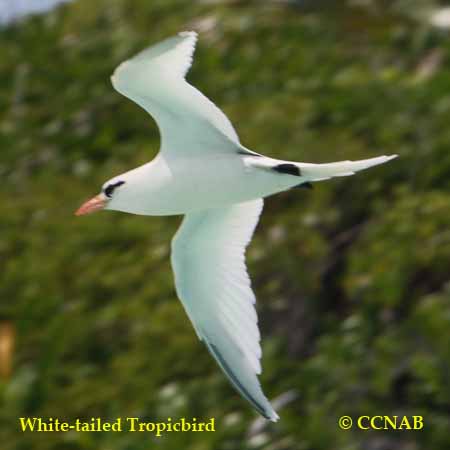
352	279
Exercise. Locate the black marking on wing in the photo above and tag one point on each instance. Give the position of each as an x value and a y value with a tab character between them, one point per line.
234	381
306	185
287	168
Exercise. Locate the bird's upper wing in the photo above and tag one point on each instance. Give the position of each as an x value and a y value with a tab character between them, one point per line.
208	259
188	121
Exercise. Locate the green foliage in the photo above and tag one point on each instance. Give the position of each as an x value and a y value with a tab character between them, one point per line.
352	279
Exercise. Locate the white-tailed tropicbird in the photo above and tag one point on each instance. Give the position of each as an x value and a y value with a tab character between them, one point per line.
205	173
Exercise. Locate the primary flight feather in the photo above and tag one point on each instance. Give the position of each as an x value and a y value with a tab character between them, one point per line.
205	173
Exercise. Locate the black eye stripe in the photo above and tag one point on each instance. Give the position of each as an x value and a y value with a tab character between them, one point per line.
110	188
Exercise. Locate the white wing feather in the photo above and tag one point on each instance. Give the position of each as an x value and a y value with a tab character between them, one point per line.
208	259
188	121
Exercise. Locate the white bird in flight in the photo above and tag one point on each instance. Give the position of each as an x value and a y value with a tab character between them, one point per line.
205	173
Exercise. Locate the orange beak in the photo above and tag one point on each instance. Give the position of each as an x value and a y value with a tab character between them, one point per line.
94	204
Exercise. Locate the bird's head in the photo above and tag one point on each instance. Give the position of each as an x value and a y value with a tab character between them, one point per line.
108	197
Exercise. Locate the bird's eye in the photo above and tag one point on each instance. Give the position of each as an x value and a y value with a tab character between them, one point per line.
108	191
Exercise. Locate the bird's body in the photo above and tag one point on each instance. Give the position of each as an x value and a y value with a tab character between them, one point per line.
167	187
205	173
179	188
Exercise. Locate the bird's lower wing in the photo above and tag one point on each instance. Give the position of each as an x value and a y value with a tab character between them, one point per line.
208	259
